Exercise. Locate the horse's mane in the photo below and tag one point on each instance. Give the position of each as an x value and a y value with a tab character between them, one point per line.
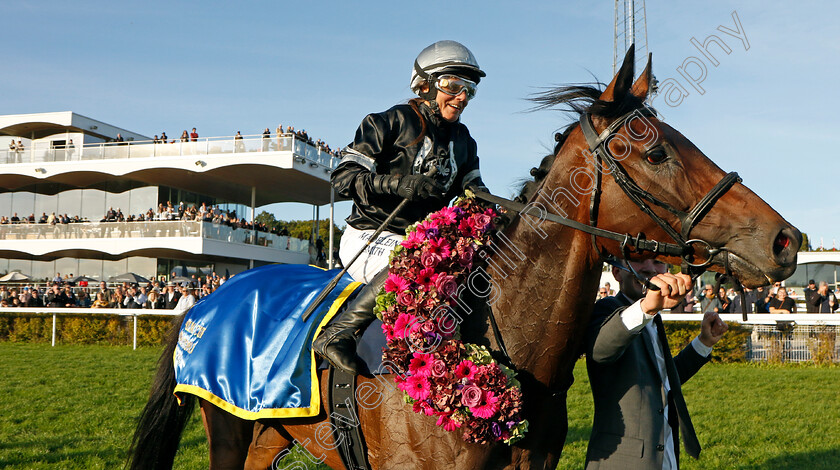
575	100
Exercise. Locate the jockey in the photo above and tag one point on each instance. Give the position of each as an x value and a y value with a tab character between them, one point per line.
388	162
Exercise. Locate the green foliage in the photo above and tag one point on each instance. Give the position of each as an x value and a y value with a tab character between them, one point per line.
731	348
806	243
84	329
301	229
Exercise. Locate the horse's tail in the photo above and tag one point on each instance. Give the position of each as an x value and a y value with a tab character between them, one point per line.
163	420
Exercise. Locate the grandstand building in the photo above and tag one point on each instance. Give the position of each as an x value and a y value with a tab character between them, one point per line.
66	163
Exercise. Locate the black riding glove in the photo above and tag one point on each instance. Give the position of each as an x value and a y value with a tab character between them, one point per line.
411	187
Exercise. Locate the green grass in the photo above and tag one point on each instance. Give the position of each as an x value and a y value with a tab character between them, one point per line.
73	407
747	416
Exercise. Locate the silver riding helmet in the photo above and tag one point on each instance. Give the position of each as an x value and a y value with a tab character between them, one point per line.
440	58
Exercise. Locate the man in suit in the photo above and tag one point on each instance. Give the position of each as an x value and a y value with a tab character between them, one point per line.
639	407
171	297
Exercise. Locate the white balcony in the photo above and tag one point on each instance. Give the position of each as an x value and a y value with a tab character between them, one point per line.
150	238
281	168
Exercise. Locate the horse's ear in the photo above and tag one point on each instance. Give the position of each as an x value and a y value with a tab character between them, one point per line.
641	88
621	83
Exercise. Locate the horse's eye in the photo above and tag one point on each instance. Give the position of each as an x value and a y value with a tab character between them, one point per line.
656	155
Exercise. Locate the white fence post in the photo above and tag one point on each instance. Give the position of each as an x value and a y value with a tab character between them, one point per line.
53	330
135	331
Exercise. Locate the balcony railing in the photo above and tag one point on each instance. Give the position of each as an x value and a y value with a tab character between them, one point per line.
151	229
43	151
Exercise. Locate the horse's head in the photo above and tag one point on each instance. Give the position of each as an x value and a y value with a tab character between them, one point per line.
647	170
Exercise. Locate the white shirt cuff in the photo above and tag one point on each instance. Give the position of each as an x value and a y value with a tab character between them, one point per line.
634	318
701	348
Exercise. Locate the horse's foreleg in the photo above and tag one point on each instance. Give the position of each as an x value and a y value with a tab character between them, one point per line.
228	437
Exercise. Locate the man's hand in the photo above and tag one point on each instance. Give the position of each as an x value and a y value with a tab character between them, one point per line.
712	329
672	289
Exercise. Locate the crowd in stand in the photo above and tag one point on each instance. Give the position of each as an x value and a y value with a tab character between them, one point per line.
766	299
266	137
156	294
164	212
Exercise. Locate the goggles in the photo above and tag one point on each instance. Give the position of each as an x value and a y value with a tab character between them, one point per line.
453	85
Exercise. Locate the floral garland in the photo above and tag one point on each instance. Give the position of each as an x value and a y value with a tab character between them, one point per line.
442	376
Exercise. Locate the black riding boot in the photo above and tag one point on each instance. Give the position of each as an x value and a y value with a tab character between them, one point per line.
337	342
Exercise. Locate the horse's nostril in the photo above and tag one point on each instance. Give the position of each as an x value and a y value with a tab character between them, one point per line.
782	241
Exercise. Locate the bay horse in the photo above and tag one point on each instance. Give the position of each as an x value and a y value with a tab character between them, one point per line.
543	278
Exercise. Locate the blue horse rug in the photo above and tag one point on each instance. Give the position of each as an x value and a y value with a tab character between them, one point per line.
245	349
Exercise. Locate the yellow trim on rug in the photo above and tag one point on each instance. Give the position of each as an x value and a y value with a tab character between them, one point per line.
315	397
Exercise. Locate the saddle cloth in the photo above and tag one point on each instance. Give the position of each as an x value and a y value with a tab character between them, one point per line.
245	349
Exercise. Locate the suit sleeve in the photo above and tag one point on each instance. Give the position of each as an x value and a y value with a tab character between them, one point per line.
607	336
688	362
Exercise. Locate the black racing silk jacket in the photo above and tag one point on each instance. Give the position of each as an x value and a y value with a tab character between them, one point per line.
387	144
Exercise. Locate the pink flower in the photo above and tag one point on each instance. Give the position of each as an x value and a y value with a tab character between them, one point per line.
421	365
414	239
465	370
440	247
471	396
447	215
446	285
395	283
406	298
388	330
447	423
465	258
428	260
403	325
427	228
439	369
482	221
427	278
487	409
424	407
417	387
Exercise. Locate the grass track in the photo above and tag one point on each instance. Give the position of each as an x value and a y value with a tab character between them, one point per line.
73	407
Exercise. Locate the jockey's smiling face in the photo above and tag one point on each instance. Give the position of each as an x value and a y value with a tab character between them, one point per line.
450	106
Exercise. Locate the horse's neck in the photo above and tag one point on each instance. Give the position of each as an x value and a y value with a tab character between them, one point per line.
544	301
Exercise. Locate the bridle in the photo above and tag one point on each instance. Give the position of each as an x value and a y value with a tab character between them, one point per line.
599	148
683	246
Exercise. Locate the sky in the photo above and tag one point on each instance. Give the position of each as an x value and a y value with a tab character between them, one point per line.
767	109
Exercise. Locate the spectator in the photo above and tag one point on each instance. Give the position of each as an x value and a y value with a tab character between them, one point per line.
827	300
56	297
83	299
101	301
751	298
171	297
12	152
71	149
194	135
239	145
812	298
187	299
35	299
153	301
119	138
710	302
266	139
687	303
782	303
19	149
724	301
185	137
602	293
163	137
71	298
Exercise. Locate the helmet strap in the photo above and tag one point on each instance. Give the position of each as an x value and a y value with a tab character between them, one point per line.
431	94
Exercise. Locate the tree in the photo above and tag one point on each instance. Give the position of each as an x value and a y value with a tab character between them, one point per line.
806	243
